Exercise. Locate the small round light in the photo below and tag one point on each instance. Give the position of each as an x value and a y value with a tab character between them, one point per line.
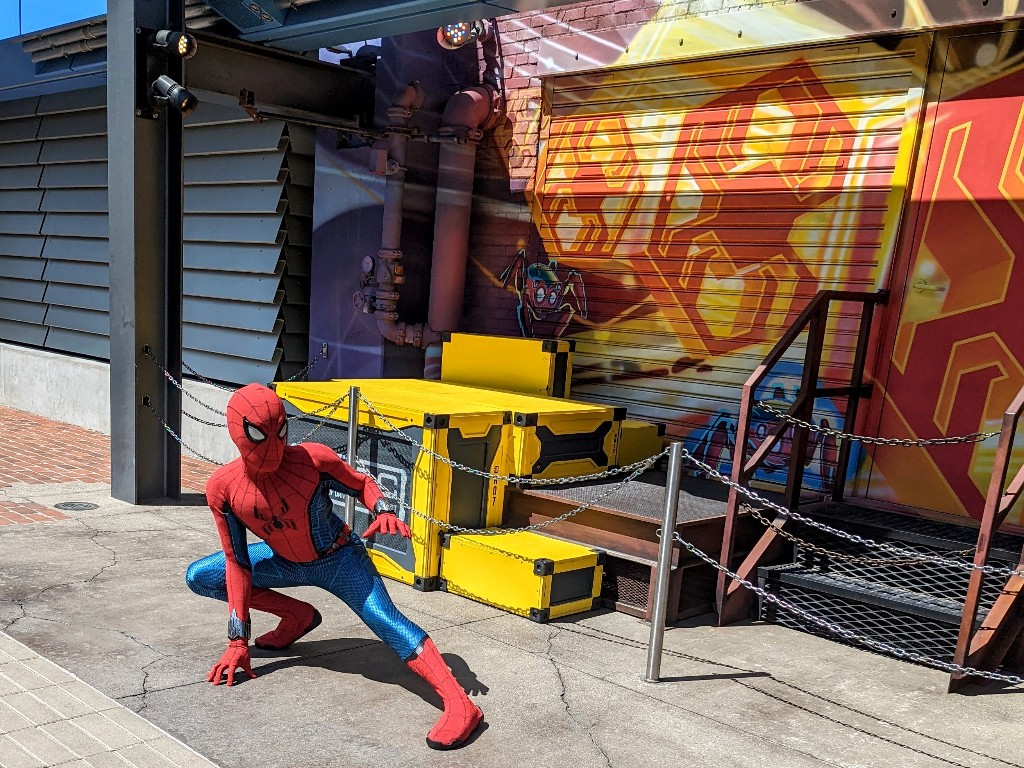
452	36
178	43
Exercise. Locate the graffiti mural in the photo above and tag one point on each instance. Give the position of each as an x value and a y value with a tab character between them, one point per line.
957	358
548	301
703	207
715	444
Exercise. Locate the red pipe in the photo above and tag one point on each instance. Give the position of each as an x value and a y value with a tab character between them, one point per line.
467	114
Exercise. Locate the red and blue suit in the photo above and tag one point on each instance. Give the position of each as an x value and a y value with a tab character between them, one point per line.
280	493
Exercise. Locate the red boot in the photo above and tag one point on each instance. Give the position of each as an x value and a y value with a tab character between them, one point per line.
461	716
297	618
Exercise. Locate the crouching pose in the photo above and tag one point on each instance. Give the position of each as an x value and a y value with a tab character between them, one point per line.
280	493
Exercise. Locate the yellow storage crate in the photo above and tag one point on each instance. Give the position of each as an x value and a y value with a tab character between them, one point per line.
640	440
530	366
436	418
551	437
554	437
523	573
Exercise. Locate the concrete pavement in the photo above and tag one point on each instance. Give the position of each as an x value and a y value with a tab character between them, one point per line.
101	594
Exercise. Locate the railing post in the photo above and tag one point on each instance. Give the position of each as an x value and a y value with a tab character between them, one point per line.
996	508
808	388
664	567
353	449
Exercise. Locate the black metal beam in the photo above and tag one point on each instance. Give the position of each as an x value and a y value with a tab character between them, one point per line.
145	189
282	81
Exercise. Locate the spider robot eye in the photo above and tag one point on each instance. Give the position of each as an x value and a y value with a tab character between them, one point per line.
253	433
283	430
540	293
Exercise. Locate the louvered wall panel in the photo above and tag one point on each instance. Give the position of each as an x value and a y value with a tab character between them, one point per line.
22	287
248	219
703	204
298	252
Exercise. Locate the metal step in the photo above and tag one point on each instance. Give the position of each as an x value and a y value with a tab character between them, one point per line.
924	580
900	618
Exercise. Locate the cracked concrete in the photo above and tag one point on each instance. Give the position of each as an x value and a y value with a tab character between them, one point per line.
103	595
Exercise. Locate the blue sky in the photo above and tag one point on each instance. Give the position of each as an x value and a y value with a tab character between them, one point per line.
19	17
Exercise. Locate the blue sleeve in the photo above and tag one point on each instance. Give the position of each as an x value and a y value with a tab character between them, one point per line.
239	545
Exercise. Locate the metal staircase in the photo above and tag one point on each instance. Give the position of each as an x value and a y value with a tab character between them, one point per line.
916	606
943	611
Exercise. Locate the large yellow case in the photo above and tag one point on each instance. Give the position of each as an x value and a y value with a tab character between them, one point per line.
554	437
523	573
640	440
444	423
551	437
530	366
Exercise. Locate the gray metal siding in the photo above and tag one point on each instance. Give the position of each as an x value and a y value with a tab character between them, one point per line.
248	224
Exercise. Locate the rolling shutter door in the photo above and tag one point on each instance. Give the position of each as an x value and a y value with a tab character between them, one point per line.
705	203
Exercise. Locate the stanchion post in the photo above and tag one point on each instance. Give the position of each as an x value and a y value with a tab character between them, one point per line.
664	567
353	448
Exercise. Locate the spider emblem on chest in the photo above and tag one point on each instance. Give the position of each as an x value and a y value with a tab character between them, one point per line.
273	522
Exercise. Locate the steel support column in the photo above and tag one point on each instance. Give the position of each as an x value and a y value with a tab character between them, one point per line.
145	190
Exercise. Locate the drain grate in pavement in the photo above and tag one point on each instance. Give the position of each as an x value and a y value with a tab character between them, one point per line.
76	506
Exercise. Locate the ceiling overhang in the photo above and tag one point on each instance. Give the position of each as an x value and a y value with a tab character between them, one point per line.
327	23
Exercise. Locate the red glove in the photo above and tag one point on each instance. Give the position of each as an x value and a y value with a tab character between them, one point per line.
386	522
237	655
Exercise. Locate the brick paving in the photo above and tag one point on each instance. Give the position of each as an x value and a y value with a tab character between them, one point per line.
40	451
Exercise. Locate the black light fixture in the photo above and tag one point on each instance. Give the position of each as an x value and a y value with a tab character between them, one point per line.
166	91
452	36
180	44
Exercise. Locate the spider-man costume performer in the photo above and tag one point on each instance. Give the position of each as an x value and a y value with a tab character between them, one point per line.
279	492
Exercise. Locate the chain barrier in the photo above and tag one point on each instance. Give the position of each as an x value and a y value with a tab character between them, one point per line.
515	479
847	634
167	375
832	555
177	437
899	552
974	437
536	526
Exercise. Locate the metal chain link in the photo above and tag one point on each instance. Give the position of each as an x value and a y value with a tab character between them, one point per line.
847	634
988	570
201	421
603	474
853	559
167	375
536	526
974	437
177	437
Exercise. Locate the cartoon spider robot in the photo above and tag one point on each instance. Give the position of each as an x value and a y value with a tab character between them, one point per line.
280	493
544	297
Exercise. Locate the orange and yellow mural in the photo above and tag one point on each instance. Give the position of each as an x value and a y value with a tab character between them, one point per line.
957	354
699	204
702	206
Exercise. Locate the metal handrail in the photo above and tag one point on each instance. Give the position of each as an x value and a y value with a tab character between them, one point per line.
988	645
732	601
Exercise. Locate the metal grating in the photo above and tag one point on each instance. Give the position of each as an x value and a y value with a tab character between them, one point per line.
927	636
627	582
248	230
640	498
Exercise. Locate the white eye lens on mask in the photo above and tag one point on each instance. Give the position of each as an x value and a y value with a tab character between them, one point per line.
253	433
283	430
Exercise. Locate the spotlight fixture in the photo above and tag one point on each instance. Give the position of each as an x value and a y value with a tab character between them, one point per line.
180	44
452	36
166	91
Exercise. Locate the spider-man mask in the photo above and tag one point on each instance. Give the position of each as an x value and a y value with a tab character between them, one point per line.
257	425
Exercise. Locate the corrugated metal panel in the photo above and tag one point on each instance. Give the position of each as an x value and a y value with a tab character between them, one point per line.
703	204
246	240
